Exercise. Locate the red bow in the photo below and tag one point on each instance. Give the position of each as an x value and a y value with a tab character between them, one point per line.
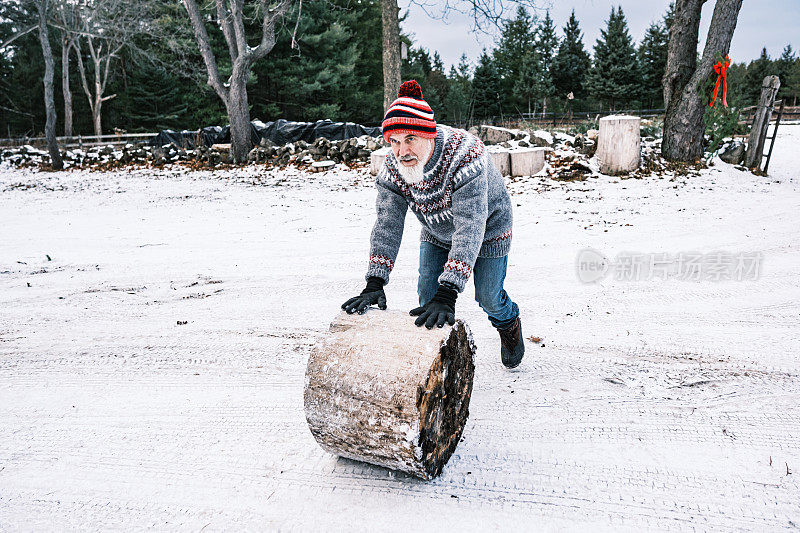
722	76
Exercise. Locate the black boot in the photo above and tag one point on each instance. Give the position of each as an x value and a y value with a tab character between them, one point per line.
512	345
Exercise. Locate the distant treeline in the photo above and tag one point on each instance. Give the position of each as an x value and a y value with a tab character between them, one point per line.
329	66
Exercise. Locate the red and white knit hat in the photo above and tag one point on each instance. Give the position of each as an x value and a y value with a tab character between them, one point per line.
409	114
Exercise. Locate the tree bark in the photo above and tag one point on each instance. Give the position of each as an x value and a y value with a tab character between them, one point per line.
391	51
66	46
381	390
49	100
683	82
239	115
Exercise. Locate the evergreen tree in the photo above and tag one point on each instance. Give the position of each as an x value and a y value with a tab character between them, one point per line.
736	76
793	82
614	79
459	97
756	72
653	62
516	39
545	46
304	80
533	83
486	88
784	66
572	62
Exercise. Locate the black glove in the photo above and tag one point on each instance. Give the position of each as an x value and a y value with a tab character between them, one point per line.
371	295
441	308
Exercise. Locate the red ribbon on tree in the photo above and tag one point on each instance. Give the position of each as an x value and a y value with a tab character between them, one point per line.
721	69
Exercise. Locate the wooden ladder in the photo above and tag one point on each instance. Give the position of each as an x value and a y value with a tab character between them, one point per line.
768	155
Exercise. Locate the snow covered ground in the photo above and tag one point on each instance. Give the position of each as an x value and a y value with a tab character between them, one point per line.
661	404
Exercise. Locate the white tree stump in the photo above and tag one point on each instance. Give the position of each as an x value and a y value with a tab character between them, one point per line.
502	161
376	160
527	161
381	390
619	144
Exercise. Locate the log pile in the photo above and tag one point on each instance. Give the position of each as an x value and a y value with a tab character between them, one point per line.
381	390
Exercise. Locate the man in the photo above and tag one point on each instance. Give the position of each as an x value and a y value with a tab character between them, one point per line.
448	180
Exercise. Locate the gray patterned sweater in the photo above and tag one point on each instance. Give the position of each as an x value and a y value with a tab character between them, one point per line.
462	203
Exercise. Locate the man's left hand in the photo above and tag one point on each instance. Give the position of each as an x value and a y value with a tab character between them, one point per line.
440	310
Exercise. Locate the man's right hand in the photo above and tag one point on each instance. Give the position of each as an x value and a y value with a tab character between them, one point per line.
371	295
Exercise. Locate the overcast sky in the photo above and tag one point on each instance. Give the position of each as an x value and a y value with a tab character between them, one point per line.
772	24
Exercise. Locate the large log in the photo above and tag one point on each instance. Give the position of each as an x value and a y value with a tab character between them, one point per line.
619	144
381	390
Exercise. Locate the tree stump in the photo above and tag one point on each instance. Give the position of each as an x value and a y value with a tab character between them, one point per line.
619	144
381	390
376	160
502	161
527	161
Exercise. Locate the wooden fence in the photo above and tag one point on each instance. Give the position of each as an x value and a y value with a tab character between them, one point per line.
82	141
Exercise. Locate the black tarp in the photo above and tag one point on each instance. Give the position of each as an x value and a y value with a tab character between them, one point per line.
279	132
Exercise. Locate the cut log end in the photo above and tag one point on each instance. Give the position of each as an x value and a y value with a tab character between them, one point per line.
444	402
381	390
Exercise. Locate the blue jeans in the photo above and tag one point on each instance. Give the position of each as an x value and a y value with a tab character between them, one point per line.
489	274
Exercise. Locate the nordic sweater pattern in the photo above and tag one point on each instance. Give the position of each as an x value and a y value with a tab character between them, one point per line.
462	204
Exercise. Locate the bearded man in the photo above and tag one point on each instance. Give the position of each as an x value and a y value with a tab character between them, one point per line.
446	177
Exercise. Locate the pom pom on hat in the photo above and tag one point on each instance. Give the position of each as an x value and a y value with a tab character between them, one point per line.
411	89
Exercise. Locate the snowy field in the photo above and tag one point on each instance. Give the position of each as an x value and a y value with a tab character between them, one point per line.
650	403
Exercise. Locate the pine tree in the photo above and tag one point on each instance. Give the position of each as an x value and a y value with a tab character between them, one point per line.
571	64
793	82
784	66
653	62
516	39
533	84
486	88
545	45
756	72
303	81
458	99
614	79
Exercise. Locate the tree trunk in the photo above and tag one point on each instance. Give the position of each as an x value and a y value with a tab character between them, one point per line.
682	48
66	45
683	83
384	391
49	101
239	115
96	117
98	100
391	51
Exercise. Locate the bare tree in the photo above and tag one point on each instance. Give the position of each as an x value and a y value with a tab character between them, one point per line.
67	17
684	80
106	26
484	14
49	102
233	92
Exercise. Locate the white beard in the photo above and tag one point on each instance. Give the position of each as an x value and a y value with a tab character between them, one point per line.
416	173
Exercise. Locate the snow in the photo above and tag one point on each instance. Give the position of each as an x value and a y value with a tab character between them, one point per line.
662	404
